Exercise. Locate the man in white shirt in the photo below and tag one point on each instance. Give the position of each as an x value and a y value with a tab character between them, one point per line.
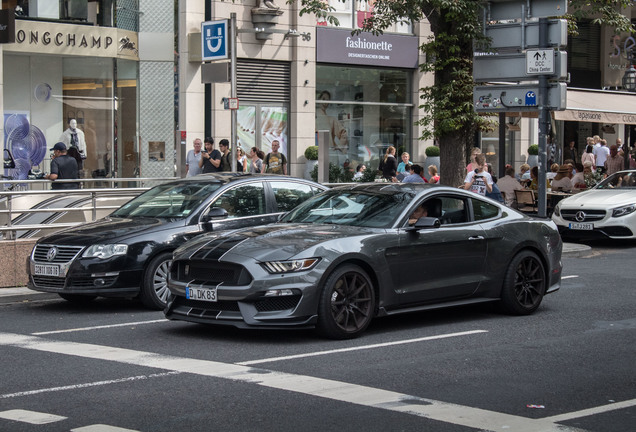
479	180
601	153
508	184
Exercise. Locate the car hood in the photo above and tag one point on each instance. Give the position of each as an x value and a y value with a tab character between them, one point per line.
108	230
605	198
274	241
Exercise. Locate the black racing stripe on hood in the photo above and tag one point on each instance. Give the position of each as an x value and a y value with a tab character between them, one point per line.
215	249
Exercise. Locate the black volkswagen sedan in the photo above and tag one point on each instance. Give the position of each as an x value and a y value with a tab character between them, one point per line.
128	253
358	252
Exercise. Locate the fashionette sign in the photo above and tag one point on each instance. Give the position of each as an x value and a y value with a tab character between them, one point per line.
70	39
339	46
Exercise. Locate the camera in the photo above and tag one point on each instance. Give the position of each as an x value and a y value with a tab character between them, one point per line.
476	170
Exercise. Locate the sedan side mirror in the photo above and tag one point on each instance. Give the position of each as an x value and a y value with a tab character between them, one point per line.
215	213
425	222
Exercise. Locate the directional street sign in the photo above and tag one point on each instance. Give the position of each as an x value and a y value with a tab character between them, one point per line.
517	98
513	67
510	35
540	62
511	9
214	40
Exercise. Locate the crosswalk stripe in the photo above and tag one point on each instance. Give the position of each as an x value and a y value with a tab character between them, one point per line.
320	387
32	417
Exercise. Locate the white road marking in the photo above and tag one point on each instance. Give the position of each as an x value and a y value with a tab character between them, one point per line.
335	390
593	411
569	277
101	428
364	347
86	385
32	417
9	292
99	327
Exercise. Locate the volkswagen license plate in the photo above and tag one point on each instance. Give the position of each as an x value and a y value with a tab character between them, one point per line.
47	270
203	294
581	226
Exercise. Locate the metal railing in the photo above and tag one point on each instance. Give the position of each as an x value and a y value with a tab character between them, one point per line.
37	192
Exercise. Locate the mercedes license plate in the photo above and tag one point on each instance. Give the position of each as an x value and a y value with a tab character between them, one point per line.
47	270
581	226
203	294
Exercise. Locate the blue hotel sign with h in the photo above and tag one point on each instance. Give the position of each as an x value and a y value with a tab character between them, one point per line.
214	40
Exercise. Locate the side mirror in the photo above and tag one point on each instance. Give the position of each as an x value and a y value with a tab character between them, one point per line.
215	213
424	223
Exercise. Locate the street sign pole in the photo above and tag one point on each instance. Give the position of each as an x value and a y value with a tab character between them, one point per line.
233	88
544	124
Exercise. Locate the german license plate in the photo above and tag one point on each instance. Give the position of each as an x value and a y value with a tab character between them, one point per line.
581	226
203	294
47	270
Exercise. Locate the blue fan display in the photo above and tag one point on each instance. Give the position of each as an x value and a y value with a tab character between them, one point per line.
26	143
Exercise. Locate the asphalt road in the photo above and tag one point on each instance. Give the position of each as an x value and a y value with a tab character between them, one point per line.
113	366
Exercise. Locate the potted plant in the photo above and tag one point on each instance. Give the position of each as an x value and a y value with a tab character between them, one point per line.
432	158
311	154
533	155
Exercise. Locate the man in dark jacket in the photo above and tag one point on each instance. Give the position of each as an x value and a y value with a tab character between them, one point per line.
63	167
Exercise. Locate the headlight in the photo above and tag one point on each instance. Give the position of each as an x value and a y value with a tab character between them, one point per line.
622	211
275	267
105	250
557	209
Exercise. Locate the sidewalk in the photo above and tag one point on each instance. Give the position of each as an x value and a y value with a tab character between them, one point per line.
576	250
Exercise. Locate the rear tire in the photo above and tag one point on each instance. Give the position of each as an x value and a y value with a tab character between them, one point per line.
154	285
524	284
347	303
77	298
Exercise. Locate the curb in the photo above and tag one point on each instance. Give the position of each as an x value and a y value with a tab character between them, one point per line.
576	250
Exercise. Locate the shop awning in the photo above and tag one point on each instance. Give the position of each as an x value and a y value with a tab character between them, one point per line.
598	106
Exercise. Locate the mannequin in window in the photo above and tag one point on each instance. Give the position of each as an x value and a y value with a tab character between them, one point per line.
74	137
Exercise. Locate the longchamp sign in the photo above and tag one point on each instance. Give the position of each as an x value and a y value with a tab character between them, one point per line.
71	39
339	46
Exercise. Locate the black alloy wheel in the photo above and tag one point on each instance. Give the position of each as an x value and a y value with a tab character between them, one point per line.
524	285
347	303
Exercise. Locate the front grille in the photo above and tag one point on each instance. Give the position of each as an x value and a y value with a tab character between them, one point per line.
48	282
64	254
209	273
277	303
589	215
618	231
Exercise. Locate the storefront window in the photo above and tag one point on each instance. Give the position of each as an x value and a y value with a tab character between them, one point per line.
352	13
126	149
97	12
365	111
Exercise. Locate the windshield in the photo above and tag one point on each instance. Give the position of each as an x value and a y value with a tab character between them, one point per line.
622	180
358	208
168	201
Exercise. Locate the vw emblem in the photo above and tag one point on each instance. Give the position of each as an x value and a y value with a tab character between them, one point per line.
580	216
50	255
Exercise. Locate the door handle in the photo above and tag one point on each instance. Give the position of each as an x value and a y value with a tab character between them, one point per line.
476	238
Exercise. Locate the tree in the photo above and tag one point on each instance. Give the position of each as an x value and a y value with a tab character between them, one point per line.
448	104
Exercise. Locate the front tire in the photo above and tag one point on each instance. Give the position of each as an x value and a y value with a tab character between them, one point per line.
524	284
347	303
154	285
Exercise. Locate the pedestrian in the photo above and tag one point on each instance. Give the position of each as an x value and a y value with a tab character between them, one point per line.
193	157
588	156
360	169
389	164
63	167
479	180
224	148
210	158
508	184
415	176
403	167
275	162
601	153
241	160
571	152
615	162
432	172
256	156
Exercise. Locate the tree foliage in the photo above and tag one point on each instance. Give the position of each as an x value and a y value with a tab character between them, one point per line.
448	113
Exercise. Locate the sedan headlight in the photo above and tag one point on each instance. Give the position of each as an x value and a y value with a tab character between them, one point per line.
105	250
557	209
291	266
625	210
